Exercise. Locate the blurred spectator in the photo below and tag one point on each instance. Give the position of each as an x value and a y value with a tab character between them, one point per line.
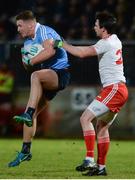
6	103
131	32
3	35
64	16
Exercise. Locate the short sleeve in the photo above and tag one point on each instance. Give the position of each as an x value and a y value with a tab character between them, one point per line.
48	33
43	33
101	46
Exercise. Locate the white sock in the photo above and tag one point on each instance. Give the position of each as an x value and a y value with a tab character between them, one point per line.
101	166
91	159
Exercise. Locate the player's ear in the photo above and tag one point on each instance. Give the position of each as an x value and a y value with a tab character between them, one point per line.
103	29
31	24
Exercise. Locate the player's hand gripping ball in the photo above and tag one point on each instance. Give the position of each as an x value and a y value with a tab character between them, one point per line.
30	51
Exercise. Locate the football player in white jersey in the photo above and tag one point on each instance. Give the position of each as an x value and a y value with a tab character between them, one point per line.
112	97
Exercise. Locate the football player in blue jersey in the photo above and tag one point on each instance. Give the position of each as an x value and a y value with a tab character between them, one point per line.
51	76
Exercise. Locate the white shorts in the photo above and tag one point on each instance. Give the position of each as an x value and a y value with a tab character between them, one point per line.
102	112
98	108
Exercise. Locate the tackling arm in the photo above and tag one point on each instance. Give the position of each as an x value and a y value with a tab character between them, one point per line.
79	51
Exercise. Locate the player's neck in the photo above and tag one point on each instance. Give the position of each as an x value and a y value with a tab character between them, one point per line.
32	33
105	35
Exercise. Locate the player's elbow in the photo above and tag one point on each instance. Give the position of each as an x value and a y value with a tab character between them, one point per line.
81	55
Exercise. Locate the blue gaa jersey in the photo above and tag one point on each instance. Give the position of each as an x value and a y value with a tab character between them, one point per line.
42	33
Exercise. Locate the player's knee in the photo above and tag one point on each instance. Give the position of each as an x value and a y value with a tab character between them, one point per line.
34	76
84	120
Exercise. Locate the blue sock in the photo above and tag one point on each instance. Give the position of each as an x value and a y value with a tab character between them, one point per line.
26	147
30	111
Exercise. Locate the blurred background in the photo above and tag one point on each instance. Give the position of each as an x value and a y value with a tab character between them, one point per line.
73	20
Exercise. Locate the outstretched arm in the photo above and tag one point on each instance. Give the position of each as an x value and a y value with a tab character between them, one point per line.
79	51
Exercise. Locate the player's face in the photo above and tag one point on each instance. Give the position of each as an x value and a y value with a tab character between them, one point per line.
98	30
23	27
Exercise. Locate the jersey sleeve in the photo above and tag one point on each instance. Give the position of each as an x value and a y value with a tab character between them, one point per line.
43	33
101	46
48	33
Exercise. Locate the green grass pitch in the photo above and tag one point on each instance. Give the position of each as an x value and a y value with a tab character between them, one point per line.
57	159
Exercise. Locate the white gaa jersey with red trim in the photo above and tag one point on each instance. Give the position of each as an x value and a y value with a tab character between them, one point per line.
109	53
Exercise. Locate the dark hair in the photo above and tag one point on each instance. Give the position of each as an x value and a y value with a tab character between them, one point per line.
107	20
25	15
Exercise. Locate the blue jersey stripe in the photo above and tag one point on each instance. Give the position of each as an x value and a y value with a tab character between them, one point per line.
43	33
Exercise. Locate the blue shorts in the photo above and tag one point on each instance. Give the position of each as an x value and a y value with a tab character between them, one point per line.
63	81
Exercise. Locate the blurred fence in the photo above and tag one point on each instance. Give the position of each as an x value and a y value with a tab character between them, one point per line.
62	117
